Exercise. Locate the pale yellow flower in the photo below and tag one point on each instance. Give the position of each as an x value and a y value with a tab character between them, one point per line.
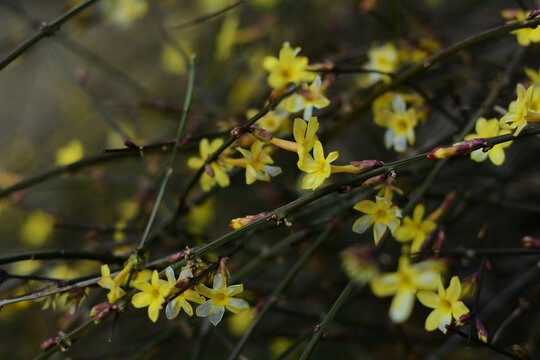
220	175
400	124
519	111
384	59
307	98
484	129
258	161
415	229
404	284
288	68
317	167
380	213
446	305
181	301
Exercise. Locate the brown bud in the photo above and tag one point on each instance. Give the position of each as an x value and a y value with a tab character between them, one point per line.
260	134
177	256
365	165
463	147
101	311
530	242
378	179
237	131
47	344
208	169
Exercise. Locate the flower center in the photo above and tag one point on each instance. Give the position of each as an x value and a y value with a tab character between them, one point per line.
401	125
380	215
220	299
446	305
285	73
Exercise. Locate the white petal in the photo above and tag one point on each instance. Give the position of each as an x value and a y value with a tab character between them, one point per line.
205	309
399	104
362	224
400	143
216	316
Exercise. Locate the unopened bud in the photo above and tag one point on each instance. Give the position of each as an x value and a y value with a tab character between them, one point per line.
439	242
260	134
365	165
463	147
101	311
483	230
177	256
521	352
530	242
482	333
377	179
243	221
237	131
208	169
222	268
47	344
464	319
444	207
468	286
533	14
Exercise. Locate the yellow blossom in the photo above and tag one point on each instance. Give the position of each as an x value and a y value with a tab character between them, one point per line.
317	167
151	295
37	228
124	12
276	121
219	298
524	36
380	213
289	68
404	284
305	135
381	59
446	305
519	111
307	98
415	229
400	124
181	301
70	153
218	168
484	129
114	284
258	160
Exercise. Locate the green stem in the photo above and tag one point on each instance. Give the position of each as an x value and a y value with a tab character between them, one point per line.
278	291
327	319
62	339
45	30
168	172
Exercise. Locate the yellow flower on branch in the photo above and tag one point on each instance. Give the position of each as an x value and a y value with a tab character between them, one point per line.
257	166
404	284
445	303
288	68
518	111
220	297
307	98
152	295
484	129
218	170
381	59
114	284
181	301
305	135
415	228
400	123
380	213
317	166
524	36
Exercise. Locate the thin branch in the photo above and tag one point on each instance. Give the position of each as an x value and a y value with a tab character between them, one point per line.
44	31
168	172
60	254
210	16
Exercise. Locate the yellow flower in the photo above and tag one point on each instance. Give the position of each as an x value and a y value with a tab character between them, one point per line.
518	111
257	167
307	98
446	305
114	284
400	124
415	229
70	153
289	68
384	59
305	135
37	228
219	170
534	76
276	121
124	12
151	295
525	36
219	298
180	302
317	167
379	212
484	129
404	284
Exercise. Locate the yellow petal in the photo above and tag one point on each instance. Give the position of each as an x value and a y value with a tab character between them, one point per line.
402	305
428	299
434	319
454	289
384	284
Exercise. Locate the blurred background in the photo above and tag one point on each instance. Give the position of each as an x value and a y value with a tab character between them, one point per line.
118	71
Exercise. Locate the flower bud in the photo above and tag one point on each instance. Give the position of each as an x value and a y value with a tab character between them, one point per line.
463	147
260	134
482	333
101	311
521	352
530	242
464	319
444	207
177	256
243	221
378	179
237	131
365	165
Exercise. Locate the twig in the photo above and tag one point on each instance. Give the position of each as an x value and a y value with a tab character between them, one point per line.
60	254
168	172
210	16
494	348
45	30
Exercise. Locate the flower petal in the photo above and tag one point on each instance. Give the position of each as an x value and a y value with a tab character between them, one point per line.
428	299
217	315
237	306
454	289
205	309
402	305
434	319
384	284
362	224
